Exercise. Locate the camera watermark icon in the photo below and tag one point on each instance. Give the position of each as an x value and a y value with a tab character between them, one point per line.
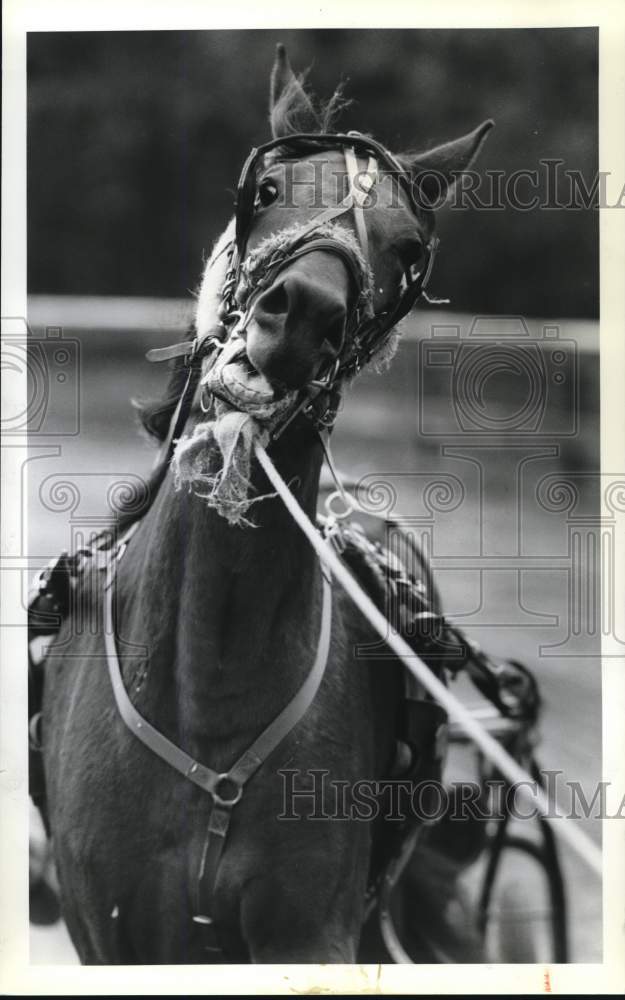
498	379
50	364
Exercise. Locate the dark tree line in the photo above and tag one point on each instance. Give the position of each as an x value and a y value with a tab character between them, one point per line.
135	142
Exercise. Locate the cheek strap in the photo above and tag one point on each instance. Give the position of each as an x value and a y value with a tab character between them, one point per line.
360	184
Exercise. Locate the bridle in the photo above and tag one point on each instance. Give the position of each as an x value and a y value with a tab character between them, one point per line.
365	332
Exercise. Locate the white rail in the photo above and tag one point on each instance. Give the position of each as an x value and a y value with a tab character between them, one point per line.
134	313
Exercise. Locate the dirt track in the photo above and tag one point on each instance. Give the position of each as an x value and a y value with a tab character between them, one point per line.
379	433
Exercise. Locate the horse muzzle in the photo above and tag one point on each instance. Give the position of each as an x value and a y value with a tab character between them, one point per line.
298	324
233	378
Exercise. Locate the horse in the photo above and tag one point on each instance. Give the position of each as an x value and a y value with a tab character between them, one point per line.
220	608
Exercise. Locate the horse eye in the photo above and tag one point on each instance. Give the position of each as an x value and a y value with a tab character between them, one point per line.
410	253
267	193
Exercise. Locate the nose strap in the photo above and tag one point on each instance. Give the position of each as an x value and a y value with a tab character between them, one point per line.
360	183
331	246
301	249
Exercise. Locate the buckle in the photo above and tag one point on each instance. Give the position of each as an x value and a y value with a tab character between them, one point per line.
327	381
221	798
339	514
334	533
121	550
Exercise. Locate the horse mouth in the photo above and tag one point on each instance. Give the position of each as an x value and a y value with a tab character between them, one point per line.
235	380
243	382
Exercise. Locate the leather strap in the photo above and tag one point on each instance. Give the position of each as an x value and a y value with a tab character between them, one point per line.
360	184
212	851
225	789
364	144
312	246
249	762
327	216
178	420
192	351
171	353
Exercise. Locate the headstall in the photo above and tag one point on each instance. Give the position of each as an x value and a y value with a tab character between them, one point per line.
366	331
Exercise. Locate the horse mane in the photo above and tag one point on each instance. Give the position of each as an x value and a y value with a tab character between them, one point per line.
297	109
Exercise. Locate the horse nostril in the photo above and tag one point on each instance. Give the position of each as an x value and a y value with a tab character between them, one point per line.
297	325
275	301
334	335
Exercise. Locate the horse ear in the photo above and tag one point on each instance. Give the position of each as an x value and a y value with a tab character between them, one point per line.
290	107
436	172
281	76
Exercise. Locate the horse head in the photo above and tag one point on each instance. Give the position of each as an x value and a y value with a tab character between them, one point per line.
332	244
336	267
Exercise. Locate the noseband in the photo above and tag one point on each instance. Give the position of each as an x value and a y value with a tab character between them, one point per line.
365	331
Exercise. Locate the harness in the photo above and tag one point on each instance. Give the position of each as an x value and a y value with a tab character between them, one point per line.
318	401
226	788
508	686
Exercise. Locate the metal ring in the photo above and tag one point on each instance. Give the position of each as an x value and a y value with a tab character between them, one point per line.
34	732
327	381
234	314
219	799
348	505
205	407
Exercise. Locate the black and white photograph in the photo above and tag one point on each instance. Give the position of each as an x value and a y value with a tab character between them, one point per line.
312	361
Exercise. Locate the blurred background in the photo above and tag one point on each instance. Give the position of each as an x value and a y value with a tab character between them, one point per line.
135	144
136	140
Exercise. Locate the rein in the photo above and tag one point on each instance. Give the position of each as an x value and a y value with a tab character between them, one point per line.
493	751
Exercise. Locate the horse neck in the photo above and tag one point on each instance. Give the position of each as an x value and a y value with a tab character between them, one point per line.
242	614
232	613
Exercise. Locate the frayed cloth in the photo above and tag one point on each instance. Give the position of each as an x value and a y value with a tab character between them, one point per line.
226	445
216	459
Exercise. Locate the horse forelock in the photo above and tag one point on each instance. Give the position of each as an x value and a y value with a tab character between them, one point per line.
297	109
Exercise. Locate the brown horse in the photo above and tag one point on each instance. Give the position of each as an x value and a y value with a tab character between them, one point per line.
218	596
